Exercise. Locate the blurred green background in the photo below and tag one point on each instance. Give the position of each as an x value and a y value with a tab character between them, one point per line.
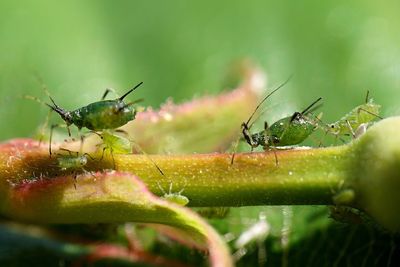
182	49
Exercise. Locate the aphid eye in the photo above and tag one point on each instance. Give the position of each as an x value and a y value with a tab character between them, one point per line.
332	126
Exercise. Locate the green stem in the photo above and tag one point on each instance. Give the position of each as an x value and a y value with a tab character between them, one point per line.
362	174
303	176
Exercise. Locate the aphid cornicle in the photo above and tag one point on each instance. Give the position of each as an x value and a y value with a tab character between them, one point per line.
289	131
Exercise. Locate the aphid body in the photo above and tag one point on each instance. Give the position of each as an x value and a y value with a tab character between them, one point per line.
288	131
115	143
70	162
73	163
176	198
359	116
104	114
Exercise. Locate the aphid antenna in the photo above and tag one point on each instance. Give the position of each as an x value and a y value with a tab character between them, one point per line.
130	91
131	103
162	189
34	98
265	98
41	82
60	111
147	156
327	127
135	102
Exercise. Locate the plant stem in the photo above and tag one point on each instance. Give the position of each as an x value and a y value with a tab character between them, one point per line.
303	176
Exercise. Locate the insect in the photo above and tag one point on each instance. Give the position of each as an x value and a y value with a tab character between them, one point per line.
116	143
288	131
73	162
97	116
356	121
176	198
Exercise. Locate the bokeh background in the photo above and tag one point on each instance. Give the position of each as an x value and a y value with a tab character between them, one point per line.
180	49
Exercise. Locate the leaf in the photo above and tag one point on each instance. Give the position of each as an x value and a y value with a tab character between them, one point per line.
109	197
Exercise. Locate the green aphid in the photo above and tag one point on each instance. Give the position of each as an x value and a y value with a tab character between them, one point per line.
356	121
289	131
97	116
73	163
70	162
115	143
176	198
118	144
100	115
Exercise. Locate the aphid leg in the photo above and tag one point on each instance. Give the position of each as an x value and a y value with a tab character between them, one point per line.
276	156
351	129
81	145
75	180
247	135
86	171
122	131
51	136
44	126
64	149
87	154
102	154
369	112
234	150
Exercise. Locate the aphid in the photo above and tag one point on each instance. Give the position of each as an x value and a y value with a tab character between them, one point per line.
114	143
356	121
176	198
73	162
118	144
97	116
288	131
100	115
